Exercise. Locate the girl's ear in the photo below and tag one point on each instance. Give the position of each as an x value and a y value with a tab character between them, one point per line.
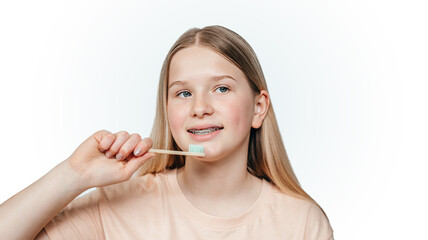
261	108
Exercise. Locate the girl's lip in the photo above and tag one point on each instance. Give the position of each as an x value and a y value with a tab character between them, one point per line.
204	137
192	130
204	126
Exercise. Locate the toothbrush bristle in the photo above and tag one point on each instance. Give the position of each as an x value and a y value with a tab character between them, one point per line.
196	148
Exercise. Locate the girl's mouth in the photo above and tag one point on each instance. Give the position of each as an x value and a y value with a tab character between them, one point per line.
204	131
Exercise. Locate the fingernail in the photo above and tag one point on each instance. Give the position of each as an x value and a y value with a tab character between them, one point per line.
118	156
108	154
137	152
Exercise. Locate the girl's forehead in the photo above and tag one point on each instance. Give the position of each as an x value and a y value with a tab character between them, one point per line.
199	61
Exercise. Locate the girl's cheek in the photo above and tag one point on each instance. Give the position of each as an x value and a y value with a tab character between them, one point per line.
176	117
239	111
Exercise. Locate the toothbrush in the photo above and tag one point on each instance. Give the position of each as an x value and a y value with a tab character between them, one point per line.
194	150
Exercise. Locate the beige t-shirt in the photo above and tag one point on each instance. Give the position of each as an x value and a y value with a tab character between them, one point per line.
154	207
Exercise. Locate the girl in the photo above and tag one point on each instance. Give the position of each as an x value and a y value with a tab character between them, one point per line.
212	93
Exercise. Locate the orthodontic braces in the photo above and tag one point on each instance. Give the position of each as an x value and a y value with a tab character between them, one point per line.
204	131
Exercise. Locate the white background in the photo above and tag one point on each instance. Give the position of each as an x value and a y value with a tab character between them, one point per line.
347	79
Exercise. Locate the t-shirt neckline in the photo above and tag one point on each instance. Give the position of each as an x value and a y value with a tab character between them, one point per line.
214	221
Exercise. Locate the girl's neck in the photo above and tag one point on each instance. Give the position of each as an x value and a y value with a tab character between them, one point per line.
221	187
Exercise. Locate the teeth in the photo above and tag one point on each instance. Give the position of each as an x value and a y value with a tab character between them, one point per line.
204	131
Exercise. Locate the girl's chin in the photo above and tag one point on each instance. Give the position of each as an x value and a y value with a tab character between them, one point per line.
210	155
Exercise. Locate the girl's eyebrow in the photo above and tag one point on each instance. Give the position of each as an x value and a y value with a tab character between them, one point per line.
213	78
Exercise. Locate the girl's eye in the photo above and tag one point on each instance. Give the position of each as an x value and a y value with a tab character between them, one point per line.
184	94
223	89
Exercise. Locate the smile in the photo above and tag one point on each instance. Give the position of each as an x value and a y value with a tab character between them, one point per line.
204	131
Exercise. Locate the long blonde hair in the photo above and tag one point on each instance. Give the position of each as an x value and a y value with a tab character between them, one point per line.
267	158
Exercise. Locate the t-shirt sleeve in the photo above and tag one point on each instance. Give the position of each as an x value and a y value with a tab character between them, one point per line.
317	225
79	220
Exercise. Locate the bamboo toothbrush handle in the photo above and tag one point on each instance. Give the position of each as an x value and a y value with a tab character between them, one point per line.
176	152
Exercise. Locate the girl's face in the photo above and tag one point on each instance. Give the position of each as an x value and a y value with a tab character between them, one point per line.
210	103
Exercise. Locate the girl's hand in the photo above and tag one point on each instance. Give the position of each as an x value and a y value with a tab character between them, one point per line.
105	158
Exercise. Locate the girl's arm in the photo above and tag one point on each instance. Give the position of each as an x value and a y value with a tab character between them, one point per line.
25	214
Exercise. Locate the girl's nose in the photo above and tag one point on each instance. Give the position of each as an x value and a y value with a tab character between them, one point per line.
201	107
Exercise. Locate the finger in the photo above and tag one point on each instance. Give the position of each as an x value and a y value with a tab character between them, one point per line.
121	138
128	146
106	142
132	165
143	146
100	134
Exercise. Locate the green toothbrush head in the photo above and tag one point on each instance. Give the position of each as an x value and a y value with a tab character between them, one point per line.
196	148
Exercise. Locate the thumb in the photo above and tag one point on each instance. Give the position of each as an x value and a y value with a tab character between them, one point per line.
103	139
86	148
100	134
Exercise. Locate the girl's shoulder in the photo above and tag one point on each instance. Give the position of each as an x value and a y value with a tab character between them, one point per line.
288	201
301	211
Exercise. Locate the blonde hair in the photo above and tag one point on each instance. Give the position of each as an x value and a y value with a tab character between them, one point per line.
267	157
